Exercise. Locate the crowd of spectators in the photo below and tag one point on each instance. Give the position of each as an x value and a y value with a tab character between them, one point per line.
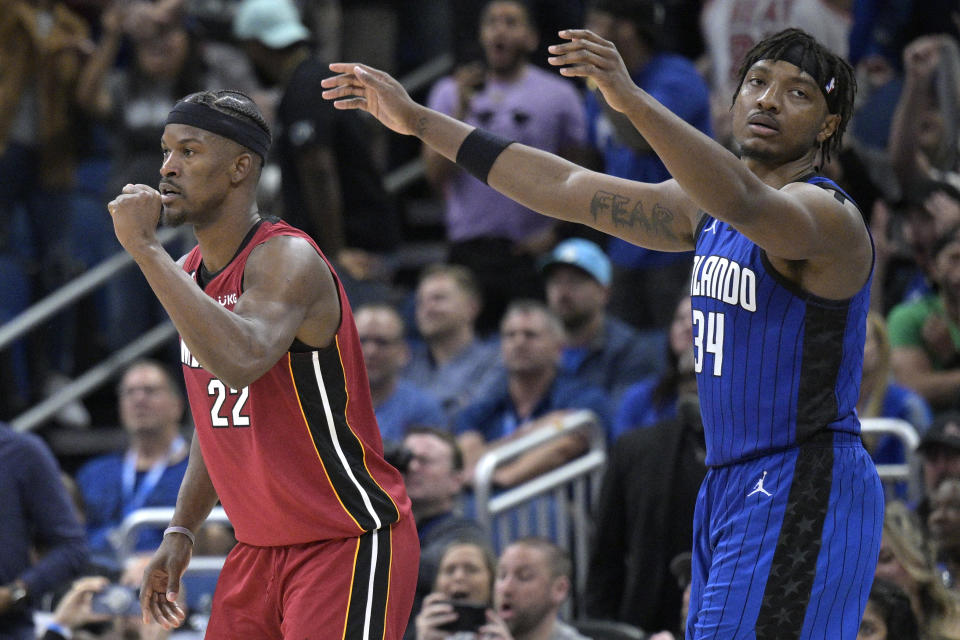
480	321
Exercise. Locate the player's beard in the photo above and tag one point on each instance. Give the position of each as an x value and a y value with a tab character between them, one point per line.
170	218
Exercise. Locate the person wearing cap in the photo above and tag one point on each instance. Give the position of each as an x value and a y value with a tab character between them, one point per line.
330	184
285	436
780	292
925	334
599	348
534	392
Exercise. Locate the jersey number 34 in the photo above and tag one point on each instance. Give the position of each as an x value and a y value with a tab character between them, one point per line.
708	336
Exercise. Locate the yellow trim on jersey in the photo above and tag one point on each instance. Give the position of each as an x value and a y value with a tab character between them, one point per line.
353	577
346	419
306	423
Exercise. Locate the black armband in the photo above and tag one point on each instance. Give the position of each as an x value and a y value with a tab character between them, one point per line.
479	151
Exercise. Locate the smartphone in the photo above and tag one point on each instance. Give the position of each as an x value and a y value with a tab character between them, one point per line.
116	600
470	617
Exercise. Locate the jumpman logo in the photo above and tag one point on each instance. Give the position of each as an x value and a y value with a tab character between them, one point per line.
759	487
712	227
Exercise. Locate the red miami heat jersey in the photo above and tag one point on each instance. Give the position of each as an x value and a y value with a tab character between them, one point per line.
296	456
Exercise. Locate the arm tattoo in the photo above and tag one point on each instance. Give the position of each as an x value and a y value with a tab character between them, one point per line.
658	223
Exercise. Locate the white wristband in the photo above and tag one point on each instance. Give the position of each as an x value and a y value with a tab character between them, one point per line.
183	530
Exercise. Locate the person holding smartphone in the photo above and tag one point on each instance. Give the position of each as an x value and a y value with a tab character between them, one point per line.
462	595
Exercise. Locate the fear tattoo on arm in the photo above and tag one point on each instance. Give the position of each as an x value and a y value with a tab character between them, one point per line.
623	213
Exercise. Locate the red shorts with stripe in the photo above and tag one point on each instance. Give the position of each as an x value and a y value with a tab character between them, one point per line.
348	589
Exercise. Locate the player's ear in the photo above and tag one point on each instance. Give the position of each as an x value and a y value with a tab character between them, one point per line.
243	164
829	127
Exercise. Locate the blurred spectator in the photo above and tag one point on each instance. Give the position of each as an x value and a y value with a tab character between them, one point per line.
169	61
133	100
905	237
434	481
41	44
452	363
547	16
881	397
939	451
883	28
888	615
37	516
654	399
466	573
332	188
643	278
534	579
905	561
489	233
599	349
644	517
924	133
397	402
925	335
944	526
531	338
148	473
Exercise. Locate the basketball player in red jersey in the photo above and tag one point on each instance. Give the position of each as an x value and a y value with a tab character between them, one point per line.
286	436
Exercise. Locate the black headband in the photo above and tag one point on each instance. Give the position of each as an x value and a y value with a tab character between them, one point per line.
209	119
804	58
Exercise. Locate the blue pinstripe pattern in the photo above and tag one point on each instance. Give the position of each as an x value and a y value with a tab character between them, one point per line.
778	391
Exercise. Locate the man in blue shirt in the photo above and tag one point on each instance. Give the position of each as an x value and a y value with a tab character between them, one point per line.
531	338
149	472
36	512
643	277
398	404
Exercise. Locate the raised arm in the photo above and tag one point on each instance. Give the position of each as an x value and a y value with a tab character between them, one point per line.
791	221
920	61
288	292
656	216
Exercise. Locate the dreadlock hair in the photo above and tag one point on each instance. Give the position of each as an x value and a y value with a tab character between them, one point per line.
826	67
233	103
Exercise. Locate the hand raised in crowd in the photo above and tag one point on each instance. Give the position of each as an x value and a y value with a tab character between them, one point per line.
435	612
936	337
587	55
921	57
469	78
945	211
74	609
495	629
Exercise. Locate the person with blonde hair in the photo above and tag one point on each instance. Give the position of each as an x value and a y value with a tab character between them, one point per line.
906	561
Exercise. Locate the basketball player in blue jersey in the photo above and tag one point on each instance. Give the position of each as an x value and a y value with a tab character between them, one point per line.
789	516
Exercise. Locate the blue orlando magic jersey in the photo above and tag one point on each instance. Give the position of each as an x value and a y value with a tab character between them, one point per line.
775	364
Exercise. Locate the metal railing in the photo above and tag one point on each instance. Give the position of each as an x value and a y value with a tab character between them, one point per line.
43	310
908	471
556	504
159	518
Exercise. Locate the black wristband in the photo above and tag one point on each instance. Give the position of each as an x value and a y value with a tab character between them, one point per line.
479	151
